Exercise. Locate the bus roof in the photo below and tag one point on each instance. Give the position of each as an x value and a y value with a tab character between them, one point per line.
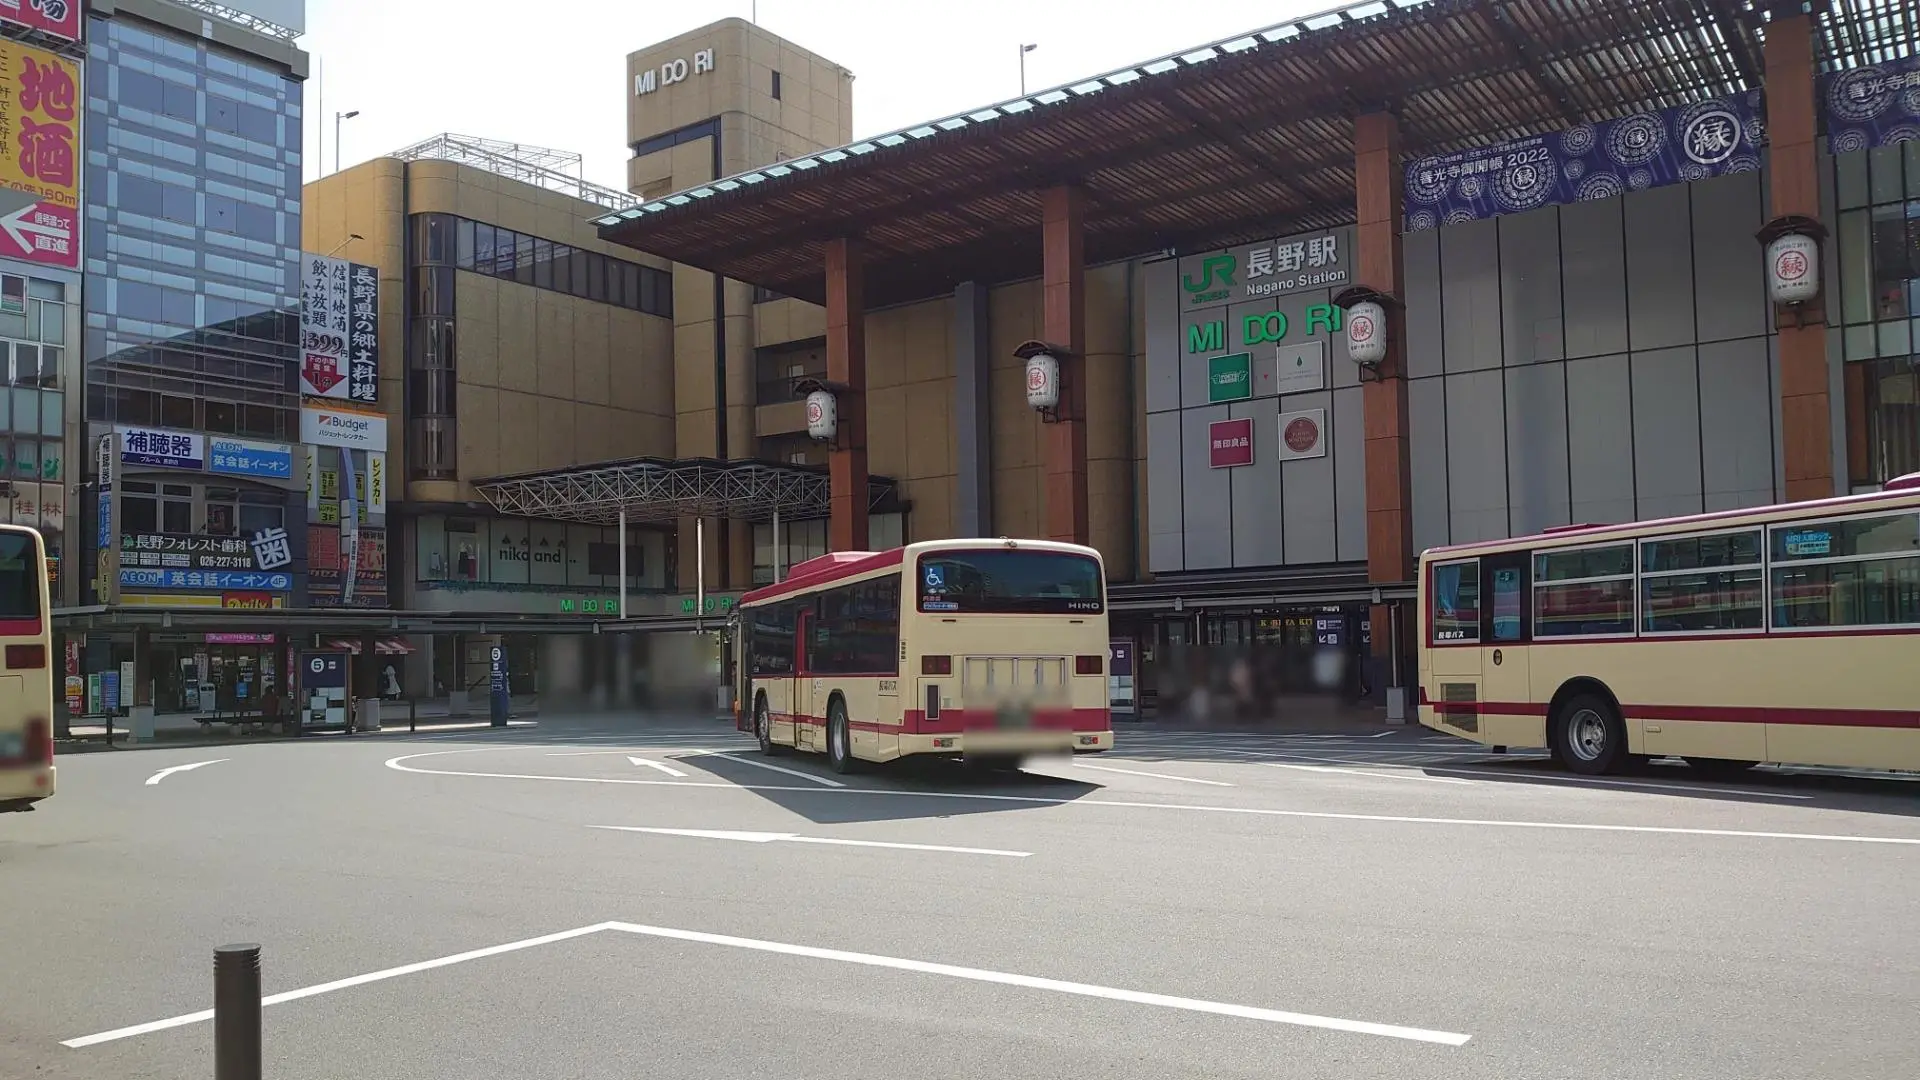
835	566
1902	489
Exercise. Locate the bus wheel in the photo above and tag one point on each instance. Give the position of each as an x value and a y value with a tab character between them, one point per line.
1719	768
763	726
1588	735
839	739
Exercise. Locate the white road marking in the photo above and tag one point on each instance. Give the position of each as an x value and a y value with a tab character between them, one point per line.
164	773
339	984
398	765
1155	775
1550	779
668	769
821	780
924	967
1379	774
792	838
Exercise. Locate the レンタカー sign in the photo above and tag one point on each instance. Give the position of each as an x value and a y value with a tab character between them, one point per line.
1592	161
1873	105
1230	443
61	18
39	139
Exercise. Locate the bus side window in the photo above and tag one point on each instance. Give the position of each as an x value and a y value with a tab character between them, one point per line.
1505	616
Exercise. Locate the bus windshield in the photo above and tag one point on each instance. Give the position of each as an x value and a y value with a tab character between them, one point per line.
1009	581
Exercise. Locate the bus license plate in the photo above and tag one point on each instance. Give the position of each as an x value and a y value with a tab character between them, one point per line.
1015	719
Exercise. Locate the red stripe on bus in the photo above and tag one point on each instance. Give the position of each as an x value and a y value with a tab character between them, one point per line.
1716	714
19	627
955	721
1784	633
878	561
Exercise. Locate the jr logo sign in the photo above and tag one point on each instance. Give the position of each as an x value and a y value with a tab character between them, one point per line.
1216	277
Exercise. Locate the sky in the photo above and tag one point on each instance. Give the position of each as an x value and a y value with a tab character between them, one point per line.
416	68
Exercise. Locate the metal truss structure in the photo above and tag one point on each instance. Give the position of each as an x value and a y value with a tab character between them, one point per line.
240	18
658	490
555	170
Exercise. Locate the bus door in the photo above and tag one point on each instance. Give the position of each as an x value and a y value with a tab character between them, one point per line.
1506	625
800	694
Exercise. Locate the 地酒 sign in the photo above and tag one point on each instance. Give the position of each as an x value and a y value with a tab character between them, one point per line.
1230	443
39	178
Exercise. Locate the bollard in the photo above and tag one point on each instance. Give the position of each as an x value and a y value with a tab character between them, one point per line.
413	708
236	1012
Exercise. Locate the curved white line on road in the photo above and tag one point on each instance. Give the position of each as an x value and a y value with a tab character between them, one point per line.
1252	811
164	773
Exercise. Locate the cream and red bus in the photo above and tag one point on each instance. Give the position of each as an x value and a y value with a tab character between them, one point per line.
987	650
1787	634
26	676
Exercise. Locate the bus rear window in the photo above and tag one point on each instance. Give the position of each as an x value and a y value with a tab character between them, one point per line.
1009	581
19	577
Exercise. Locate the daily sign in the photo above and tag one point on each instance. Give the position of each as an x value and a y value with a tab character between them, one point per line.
672	72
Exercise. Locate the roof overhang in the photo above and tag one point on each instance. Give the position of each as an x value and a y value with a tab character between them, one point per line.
653	490
1227	143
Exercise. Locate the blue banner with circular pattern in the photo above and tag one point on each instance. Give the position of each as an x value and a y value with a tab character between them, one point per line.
1872	106
1592	161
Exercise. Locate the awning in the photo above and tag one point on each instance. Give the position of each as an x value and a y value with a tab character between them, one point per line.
386	646
661	489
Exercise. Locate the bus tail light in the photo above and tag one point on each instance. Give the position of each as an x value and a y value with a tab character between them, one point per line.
39	742
26	656
1088	665
936	665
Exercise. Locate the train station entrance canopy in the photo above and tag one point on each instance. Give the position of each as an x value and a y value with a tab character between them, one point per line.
662	489
1227	143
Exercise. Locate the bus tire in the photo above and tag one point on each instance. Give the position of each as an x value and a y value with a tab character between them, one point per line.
763	726
1588	735
839	739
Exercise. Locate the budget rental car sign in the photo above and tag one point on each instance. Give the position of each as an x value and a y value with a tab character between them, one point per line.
324	426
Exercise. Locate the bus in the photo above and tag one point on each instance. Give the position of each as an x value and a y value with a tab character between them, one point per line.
1783	634
26	676
983	650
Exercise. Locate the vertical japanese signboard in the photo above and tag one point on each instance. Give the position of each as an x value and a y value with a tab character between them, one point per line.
61	18
39	140
363	334
324	326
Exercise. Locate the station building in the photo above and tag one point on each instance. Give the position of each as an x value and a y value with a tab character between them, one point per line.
1563	217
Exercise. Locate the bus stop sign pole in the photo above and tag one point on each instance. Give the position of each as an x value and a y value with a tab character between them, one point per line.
497	684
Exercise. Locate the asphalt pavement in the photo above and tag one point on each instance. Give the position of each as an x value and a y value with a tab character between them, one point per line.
599	897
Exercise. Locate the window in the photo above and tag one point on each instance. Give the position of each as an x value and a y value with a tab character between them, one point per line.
1896	260
542	264
603	560
1858	572
463	245
156	508
261	510
776	86
770	632
1700	584
596	277
20	577
1009	581
523	247
482	249
1456	602
1883	418
220	514
858	628
562	268
1584	592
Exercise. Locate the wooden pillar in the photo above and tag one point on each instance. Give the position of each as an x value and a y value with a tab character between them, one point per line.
847	366
1064	324
1377	265
1806	419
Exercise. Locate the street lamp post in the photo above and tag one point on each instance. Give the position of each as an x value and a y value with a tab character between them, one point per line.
1024	50
337	118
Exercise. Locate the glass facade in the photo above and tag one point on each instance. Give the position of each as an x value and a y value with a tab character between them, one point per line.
1877	246
33	465
192	284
